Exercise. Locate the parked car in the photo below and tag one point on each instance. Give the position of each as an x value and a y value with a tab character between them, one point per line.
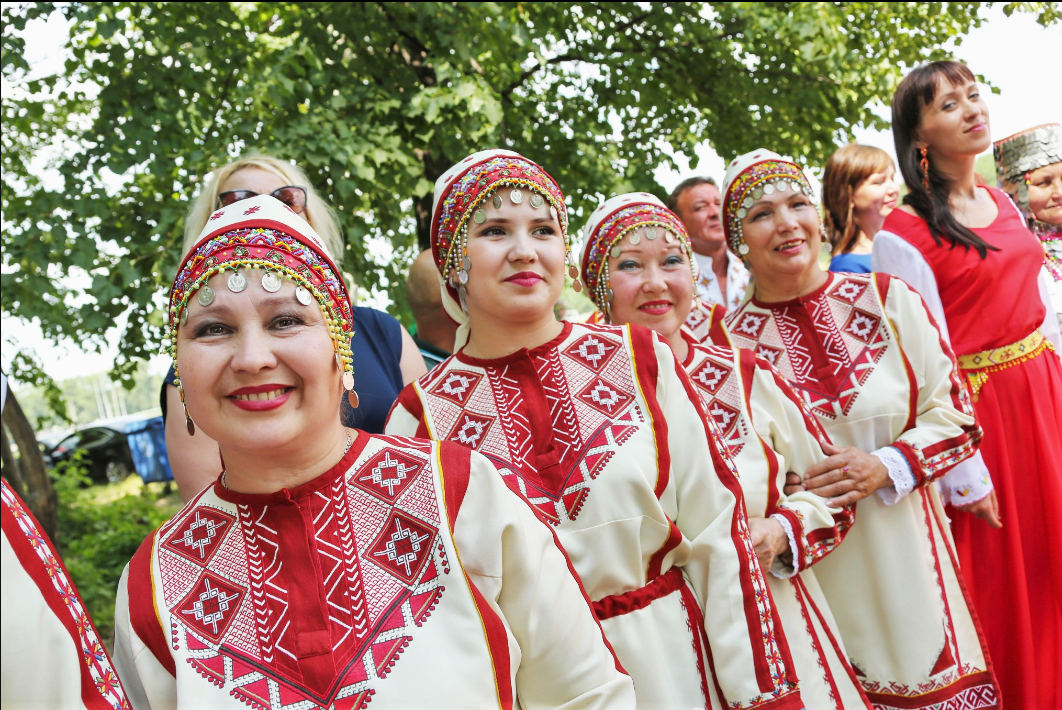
107	453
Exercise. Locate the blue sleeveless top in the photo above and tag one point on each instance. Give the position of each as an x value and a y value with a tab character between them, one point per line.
377	346
852	263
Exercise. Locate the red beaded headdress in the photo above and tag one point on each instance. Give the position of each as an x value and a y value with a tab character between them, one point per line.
748	178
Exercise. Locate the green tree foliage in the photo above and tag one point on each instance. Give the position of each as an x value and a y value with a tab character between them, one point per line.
375	100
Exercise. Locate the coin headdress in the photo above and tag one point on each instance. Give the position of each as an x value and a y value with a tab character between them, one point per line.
748	178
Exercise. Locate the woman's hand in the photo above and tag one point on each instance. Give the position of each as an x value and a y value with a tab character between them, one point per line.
794	483
769	539
987	509
848	475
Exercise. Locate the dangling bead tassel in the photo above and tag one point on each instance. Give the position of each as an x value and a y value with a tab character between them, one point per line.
577	283
923	164
188	423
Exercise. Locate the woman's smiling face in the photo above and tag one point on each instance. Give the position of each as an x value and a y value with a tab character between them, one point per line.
258	369
783	233
651	282
517	254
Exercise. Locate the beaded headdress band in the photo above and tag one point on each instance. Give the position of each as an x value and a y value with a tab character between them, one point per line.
1018	155
462	192
264	234
750	177
610	223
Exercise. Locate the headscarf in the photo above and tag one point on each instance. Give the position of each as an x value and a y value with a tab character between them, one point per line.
263	233
614	220
459	193
748	178
1017	156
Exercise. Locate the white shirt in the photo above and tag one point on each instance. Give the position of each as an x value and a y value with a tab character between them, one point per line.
737	280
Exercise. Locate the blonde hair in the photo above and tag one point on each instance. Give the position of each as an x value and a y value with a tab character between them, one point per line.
320	216
845	172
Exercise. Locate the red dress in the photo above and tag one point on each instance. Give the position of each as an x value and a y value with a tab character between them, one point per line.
1013	574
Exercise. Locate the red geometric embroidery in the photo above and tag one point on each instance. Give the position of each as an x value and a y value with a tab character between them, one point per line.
768	353
710	376
217	215
457	386
592	350
470	430
862	325
604	397
751	325
251	210
200	536
403	546
211	606
848	291
724	415
387	474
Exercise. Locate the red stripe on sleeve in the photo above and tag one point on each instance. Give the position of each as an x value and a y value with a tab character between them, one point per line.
143	615
409	400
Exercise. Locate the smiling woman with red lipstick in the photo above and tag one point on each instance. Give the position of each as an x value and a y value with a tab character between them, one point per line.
864	354
636	263
969	252
598	427
327	566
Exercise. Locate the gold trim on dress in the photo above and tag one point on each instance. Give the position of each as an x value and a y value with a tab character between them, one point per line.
979	366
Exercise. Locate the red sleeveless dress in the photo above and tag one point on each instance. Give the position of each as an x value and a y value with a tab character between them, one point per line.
1014	574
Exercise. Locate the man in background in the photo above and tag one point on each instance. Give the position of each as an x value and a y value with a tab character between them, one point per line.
722	278
435	331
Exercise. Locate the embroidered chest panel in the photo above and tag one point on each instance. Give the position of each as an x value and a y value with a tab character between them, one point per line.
552	420
718	380
827	347
699	321
240	594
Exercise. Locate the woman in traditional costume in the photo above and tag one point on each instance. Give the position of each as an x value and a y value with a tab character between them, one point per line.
326	566
601	431
862	351
638	251
1029	168
968	251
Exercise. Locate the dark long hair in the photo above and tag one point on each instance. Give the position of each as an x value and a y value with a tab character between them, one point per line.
915	92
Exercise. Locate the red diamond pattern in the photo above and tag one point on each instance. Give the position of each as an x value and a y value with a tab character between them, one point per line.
711	375
471	429
751	325
457	386
388	474
403	546
592	350
768	353
724	415
211	606
604	397
848	291
862	325
200	535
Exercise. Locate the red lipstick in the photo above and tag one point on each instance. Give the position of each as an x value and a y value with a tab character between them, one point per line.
260	398
525	278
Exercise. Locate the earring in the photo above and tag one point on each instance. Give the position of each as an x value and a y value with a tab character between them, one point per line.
188	423
923	164
348	383
573	270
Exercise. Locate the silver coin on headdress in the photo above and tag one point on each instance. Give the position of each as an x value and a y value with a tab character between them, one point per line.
552	212
271	282
206	296
635	239
236	282
768	189
496	201
466	263
742	212
462	277
536	200
516	196
184	316
650	233
668	236
303	296
782	185
615	252
743	248
480	216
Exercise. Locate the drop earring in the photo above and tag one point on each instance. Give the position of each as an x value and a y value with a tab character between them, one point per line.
923	165
573	270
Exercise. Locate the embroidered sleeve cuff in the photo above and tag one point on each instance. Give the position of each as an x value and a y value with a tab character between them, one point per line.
903	479
967	482
786	565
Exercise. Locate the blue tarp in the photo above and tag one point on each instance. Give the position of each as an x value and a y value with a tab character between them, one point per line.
147	443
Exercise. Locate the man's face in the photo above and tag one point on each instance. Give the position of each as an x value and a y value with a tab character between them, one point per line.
700	209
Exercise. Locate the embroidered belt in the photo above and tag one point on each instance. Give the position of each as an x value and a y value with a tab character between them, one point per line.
979	365
620	604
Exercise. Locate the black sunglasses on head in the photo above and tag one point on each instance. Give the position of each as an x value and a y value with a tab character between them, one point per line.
291	195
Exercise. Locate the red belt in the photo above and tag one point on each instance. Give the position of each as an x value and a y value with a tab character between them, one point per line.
620	604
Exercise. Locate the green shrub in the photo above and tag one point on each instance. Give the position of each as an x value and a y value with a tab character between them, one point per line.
100	528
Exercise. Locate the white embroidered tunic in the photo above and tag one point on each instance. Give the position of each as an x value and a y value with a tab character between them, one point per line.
770	432
866	357
408	575
602	432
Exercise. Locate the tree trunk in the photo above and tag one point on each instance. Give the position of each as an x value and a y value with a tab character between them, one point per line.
10	471
39	494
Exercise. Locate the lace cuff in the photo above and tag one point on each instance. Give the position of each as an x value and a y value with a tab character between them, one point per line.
903	479
786	565
968	482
